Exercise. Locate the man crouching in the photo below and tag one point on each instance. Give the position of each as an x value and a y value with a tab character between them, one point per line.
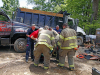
44	44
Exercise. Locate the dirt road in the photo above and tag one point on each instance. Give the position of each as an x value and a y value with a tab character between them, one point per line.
12	63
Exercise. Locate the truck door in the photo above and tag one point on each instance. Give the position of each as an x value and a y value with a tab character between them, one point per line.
72	23
5	25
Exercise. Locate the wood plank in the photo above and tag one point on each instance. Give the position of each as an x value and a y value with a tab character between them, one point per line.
41	12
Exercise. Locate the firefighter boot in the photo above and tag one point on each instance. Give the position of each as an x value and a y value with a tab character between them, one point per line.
71	68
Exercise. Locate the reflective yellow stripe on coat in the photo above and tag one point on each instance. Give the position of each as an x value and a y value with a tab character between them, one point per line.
52	38
68	38
69	47
49	46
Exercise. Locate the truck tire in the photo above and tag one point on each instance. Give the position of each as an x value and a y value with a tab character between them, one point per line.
20	45
79	40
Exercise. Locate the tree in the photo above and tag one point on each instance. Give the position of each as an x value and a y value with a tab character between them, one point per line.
95	9
50	5
87	11
10	6
84	10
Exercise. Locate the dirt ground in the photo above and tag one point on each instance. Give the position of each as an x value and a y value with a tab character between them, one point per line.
12	63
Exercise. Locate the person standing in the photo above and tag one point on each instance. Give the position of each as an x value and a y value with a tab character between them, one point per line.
57	29
56	49
67	43
30	43
44	45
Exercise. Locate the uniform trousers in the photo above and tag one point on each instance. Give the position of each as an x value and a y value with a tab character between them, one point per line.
41	48
62	54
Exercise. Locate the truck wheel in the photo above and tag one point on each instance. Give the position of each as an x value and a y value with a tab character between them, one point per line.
20	45
79	40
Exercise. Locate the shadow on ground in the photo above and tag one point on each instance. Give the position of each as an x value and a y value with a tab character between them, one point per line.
7	49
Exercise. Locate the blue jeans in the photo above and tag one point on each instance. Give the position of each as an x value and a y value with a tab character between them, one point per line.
30	47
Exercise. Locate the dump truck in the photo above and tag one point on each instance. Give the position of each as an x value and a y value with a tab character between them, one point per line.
42	18
13	31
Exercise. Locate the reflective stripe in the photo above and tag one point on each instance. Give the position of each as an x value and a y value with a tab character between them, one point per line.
52	38
59	44
69	38
46	67
61	37
42	40
71	65
69	47
35	64
72	44
49	46
46	35
55	45
61	64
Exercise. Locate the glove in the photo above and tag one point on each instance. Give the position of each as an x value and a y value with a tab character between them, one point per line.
75	49
36	39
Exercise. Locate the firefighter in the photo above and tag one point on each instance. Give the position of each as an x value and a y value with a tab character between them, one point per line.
56	35
44	44
67	42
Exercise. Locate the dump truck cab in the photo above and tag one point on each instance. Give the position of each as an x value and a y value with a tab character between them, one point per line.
12	33
5	24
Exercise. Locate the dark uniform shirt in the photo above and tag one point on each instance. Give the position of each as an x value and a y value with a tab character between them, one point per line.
58	31
29	31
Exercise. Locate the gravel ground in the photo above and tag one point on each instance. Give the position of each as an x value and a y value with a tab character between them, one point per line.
12	63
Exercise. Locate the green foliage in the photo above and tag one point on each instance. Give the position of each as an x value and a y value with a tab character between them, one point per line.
51	5
57	8
3	18
80	9
90	28
10	6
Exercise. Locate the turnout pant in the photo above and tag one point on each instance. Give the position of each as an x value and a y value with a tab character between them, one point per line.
62	54
41	48
57	53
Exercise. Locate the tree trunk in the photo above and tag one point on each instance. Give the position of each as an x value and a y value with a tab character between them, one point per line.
95	9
